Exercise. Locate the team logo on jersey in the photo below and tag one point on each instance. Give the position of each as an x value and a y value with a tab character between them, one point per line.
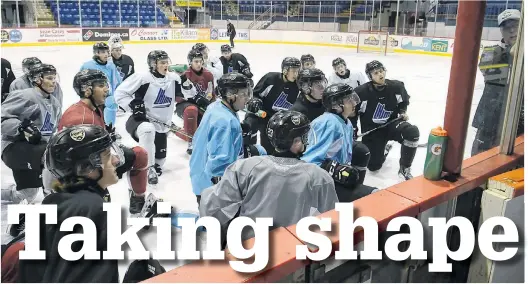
380	114
47	126
162	100
120	71
281	103
199	89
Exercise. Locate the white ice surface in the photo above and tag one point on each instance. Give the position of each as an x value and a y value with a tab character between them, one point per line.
426	79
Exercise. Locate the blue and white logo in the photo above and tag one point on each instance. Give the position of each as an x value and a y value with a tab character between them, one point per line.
47	125
162	101
380	114
15	35
281	103
214	34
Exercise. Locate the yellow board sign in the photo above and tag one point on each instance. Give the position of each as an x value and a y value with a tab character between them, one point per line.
188	3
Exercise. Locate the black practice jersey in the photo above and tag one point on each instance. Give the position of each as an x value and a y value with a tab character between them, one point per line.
308	108
7	77
86	201
236	63
378	107
276	95
125	66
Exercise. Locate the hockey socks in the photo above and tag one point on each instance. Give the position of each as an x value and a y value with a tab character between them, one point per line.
190	122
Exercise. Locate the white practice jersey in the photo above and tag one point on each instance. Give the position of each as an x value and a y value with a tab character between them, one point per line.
214	65
158	95
354	78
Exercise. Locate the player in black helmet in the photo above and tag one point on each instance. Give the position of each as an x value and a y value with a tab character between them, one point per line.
278	91
147	95
101	54
280	186
383	100
234	62
312	83
342	74
332	146
218	141
84	159
307	61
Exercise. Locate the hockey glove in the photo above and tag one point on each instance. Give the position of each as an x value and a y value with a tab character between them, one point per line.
138	110
246	72
111	130
355	134
201	101
186	83
216	180
251	151
247	134
29	131
342	174
254	105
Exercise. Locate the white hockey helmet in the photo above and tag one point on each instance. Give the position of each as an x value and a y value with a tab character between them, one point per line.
508	14
115	41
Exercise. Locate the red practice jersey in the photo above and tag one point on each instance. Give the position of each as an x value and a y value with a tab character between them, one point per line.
203	82
81	113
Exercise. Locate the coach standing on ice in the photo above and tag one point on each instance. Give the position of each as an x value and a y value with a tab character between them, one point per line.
231	32
495	63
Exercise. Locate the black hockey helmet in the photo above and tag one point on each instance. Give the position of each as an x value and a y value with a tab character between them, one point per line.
98	46
154	56
290	62
39	71
373	65
200	47
28	62
335	94
75	151
307	77
233	81
86	79
194	53
225	48
286	125
307	58
338	61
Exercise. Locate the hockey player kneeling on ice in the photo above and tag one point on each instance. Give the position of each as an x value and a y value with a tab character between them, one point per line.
330	144
383	100
29	118
123	62
23	82
234	62
192	106
218	141
151	95
307	61
92	87
312	83
280	186
84	159
278	91
211	62
344	75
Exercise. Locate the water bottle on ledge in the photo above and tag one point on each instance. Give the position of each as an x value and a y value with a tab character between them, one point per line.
436	147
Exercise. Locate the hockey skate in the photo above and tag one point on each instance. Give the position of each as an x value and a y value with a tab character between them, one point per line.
189	148
388	147
405	173
152	175
150	208
136	203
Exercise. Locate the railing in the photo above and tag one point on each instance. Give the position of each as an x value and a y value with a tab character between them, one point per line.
256	24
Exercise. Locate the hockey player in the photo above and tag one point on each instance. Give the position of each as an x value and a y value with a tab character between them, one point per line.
307	61
278	91
211	63
147	96
7	77
383	101
123	62
281	186
330	144
218	141
192	107
29	118
234	62
312	83
343	75
84	160
92	87
101	52
495	65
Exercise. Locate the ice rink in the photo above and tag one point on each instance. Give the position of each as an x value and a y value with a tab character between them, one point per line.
426	79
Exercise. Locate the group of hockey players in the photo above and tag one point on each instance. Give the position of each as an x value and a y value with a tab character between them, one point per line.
308	157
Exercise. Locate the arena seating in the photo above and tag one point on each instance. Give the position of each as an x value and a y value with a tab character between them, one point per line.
91	12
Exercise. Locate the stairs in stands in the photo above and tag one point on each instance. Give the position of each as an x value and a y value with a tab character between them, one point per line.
175	21
43	15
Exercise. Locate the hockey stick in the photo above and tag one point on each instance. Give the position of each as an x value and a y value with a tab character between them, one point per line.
378	128
172	128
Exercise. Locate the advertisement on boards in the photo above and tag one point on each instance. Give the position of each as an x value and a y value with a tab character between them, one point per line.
104	34
149	34
221	34
439	45
371	41
416	43
351	39
336	38
11	36
393	42
54	35
185	34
